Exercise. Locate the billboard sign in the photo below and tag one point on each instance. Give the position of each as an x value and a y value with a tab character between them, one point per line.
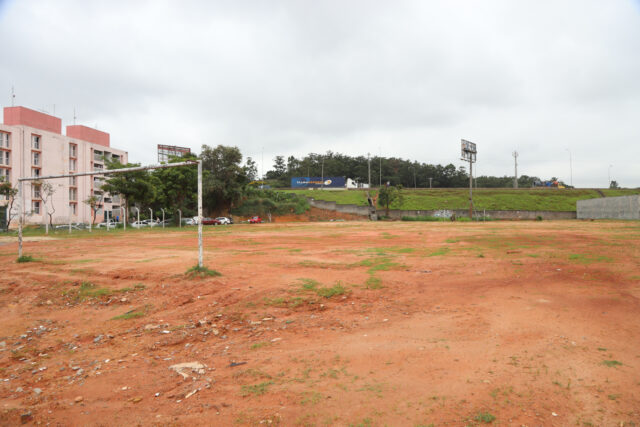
468	151
317	182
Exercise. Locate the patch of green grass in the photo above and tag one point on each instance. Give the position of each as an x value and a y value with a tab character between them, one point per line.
611	363
201	272
439	252
602	349
613	396
335	290
258	345
133	314
589	259
26	258
485	417
87	290
374	282
256	389
312	397
452	241
326	292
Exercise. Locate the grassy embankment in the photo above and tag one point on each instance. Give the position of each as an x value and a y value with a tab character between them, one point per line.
529	199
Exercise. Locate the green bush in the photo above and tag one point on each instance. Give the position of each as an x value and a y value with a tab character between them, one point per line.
262	202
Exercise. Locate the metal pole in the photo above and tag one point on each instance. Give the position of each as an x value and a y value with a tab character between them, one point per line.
20	214
322	179
369	163
380	184
124	217
200	262
138	210
162	209
69	218
179	218
151	217
470	189
107	218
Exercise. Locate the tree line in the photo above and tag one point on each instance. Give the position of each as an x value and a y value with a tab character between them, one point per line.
392	170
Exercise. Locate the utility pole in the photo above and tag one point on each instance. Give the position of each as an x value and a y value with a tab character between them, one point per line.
380	150
570	167
369	162
322	179
469	154
515	178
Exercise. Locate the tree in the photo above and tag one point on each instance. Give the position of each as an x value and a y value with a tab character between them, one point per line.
47	190
226	180
95	203
614	185
251	169
390	196
138	187
177	188
10	193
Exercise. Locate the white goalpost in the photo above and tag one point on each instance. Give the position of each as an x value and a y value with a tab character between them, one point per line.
110	172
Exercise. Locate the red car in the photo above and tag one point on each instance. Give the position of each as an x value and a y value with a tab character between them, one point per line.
255	220
210	221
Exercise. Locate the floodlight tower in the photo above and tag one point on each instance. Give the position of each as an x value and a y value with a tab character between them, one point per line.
515	177
469	155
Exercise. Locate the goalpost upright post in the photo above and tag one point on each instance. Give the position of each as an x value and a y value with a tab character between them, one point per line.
109	172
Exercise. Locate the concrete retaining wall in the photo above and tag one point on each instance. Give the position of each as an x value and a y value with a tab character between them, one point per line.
624	207
443	213
515	215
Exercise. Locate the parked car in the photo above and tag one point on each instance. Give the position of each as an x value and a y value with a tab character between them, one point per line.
210	221
255	220
225	220
137	224
112	224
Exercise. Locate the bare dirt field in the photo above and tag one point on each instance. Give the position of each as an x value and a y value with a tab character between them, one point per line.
341	323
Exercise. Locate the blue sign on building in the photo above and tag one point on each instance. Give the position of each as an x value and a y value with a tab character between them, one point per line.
316	182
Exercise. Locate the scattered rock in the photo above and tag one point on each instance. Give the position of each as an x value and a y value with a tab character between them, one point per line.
26	417
184	368
49	302
98	339
19	390
150	327
37	391
276	339
191	393
79	399
136	399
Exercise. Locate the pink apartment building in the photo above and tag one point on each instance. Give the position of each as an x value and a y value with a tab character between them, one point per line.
32	144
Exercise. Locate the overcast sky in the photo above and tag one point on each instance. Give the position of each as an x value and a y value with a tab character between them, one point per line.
407	79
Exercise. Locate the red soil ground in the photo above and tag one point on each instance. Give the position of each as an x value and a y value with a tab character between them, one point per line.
342	323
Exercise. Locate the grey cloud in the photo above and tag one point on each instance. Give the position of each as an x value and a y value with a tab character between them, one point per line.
410	77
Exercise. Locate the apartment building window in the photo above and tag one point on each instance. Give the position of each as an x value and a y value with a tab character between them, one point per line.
73	150
35	142
4	140
73	194
36	159
72	164
5	158
97	156
35	191
73	208
98	167
5	174
35	207
73	181
35	172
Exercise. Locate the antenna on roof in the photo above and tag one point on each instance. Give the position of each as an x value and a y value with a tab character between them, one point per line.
74	116
13	97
